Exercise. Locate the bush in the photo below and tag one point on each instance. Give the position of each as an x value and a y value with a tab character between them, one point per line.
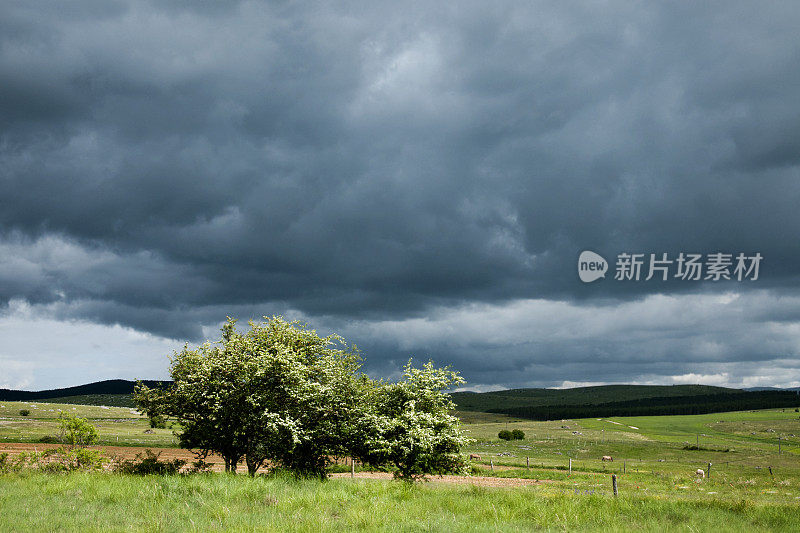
150	464
693	447
70	459
49	439
54	461
76	431
517	434
158	421
5	464
24	412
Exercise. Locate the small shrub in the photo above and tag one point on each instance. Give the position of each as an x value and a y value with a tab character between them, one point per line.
85	459
56	460
24	412
49	439
76	431
693	447
150	464
517	434
158	421
505	435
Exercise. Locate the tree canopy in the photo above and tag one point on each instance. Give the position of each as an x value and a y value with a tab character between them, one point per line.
280	393
410	425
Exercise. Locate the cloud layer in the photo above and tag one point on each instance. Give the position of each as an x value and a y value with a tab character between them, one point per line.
381	166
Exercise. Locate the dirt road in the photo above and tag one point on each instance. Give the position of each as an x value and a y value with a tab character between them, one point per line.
169	454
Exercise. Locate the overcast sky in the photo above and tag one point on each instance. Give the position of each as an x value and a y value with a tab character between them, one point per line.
418	177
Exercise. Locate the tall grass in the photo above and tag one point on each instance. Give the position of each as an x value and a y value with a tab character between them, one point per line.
106	502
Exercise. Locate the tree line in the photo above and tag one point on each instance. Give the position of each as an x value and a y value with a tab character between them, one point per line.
681	405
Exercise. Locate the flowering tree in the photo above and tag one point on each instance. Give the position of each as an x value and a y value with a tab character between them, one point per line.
280	393
277	393
410	425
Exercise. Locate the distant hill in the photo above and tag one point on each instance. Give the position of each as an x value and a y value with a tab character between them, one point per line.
621	400
536	404
113	392
518	398
750	389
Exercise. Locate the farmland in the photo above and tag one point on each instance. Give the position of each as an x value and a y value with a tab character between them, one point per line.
752	485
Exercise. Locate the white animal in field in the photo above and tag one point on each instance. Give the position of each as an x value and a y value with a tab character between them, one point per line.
700	473
607	458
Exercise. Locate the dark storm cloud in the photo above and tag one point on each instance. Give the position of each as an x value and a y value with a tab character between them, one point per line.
381	160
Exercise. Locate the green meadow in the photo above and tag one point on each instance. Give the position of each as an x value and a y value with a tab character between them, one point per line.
116	426
108	502
753	485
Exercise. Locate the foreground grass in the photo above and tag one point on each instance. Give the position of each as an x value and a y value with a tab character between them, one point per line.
105	502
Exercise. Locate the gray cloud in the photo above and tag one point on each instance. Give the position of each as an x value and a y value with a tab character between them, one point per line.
164	165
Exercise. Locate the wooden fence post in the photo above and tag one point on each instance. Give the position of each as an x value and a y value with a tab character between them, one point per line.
527	462
709	471
614	484
491	465
352	467
570	467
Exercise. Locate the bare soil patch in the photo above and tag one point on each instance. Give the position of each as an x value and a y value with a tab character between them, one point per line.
122	452
218	465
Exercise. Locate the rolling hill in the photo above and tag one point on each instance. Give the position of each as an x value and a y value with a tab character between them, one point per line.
113	392
621	400
519	398
535	404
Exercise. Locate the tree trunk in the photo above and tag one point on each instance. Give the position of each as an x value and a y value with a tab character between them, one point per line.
230	464
253	466
251	470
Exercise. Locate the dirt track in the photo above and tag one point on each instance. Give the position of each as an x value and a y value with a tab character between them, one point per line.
169	454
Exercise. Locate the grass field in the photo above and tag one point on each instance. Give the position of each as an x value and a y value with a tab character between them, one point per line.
116	426
752	486
105	502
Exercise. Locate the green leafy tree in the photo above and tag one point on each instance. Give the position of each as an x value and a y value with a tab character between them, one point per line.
75	431
517	434
410	426
277	393
504	435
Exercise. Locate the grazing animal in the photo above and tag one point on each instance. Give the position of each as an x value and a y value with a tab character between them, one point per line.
607	458
700	473
473	457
